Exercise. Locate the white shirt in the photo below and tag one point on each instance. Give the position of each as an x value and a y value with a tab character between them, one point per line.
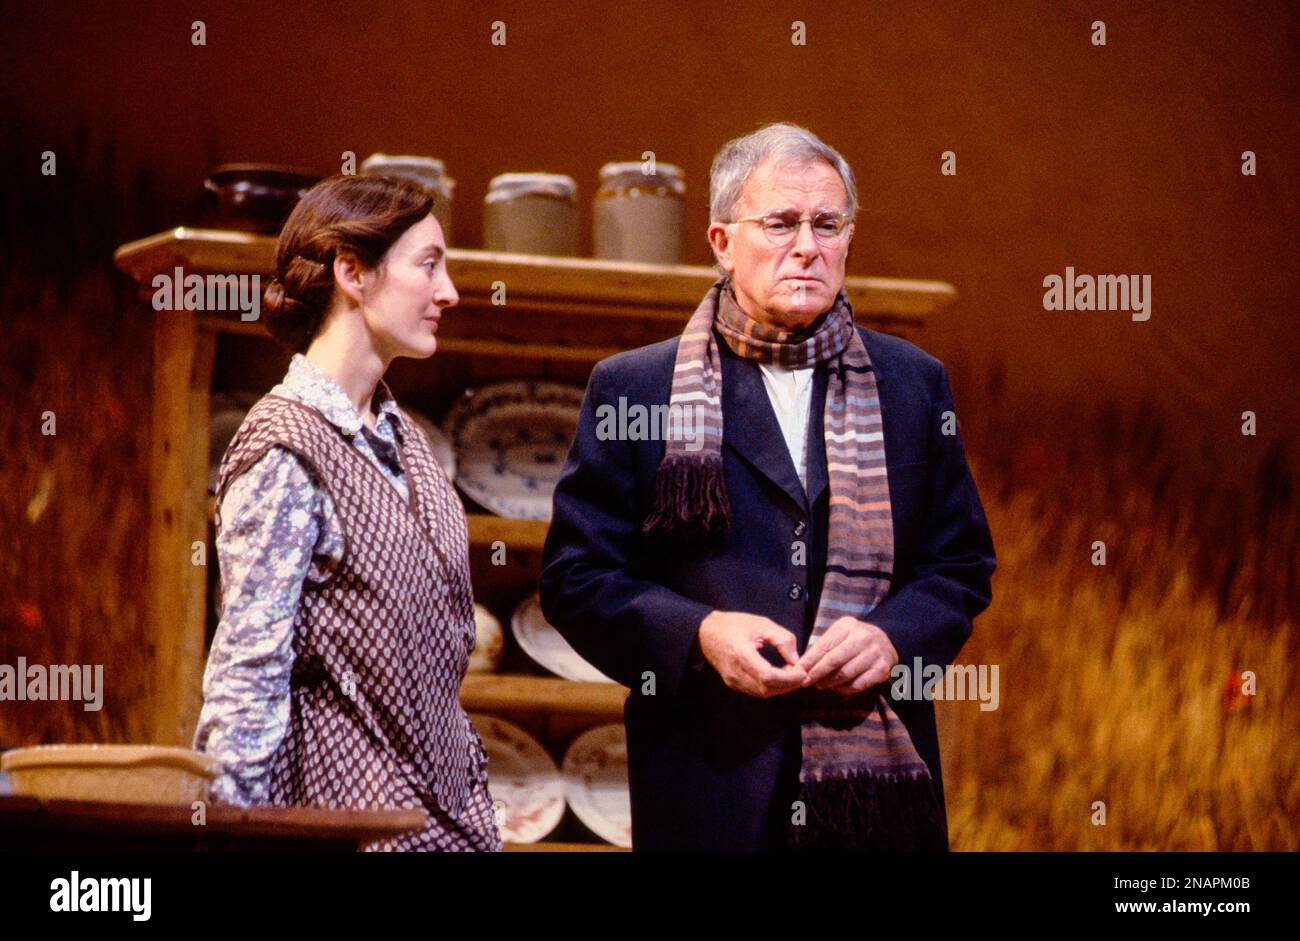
790	391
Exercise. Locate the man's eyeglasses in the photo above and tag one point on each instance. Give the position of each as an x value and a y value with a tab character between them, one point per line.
780	227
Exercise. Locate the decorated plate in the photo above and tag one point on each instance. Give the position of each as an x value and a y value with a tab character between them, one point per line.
523	778
595	783
547	646
511	439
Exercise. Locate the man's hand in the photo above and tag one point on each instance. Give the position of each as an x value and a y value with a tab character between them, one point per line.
850	658
731	640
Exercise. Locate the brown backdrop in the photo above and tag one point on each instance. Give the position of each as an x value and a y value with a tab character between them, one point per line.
1123	159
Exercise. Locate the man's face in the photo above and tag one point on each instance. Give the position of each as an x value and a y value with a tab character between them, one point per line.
790	285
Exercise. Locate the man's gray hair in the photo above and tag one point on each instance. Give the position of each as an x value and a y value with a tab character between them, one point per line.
784	143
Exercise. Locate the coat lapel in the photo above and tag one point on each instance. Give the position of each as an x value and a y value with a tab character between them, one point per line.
750	428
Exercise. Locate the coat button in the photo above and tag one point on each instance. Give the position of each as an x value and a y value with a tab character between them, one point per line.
795	592
799	528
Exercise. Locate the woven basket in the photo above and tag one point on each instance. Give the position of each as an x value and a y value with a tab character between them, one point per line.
134	774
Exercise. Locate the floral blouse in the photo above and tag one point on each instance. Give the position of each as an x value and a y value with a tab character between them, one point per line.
278	527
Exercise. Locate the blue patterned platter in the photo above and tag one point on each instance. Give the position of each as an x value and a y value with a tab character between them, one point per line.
511	439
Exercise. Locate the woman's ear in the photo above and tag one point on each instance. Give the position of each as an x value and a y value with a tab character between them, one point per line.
349	276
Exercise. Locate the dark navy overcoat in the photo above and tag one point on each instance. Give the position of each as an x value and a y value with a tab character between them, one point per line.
711	768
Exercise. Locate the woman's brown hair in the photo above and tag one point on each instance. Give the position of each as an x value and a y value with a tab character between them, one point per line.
361	215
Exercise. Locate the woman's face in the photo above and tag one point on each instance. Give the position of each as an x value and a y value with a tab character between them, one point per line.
405	296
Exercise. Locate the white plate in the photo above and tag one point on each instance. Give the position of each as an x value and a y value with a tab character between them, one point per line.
489	641
522	776
442	449
547	646
511	439
595	783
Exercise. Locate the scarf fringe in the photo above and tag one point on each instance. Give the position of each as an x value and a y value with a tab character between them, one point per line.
689	495
856	811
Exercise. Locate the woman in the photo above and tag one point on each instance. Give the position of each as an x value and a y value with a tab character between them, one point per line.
347	618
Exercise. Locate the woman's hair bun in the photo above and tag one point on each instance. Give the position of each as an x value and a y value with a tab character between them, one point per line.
290	320
276	299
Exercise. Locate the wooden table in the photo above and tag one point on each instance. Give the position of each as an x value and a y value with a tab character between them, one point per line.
34	825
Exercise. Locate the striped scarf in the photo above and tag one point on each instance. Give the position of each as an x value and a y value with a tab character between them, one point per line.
862	783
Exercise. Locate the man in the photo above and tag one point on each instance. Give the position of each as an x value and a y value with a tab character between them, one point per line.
810	523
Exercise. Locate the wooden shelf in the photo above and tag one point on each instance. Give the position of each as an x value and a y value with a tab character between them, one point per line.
576	309
576	285
503	692
484	529
516	534
31	822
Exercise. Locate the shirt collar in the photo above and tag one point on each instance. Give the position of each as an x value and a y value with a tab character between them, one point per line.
314	387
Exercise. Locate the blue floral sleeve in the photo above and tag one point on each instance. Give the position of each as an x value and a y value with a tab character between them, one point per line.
271	522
